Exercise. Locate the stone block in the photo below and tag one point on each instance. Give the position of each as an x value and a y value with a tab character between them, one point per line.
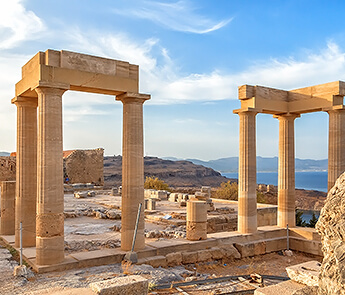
217	253
134	285
287	287
151	204
204	255
196	231
156	261
189	257
275	244
306	273
230	251
251	248
174	258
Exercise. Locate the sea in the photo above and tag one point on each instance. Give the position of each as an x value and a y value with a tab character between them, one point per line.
314	180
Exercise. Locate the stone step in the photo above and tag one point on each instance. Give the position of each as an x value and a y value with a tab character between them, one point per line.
305	232
306	246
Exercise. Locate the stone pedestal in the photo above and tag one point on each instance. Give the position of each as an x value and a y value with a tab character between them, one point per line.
151	204
7	205
196	220
26	159
50	194
286	171
132	169
336	145
247	209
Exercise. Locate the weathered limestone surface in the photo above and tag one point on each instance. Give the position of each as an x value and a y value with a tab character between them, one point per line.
247	215
7	168
26	160
331	227
286	171
84	166
196	220
132	169
7	205
50	194
336	145
134	285
306	273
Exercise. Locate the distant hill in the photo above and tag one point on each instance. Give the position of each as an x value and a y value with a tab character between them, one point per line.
175	173
4	154
263	164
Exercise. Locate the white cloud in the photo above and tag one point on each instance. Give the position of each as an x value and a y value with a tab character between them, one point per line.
177	16
17	24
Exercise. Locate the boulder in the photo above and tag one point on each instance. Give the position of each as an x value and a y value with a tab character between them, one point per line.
331	227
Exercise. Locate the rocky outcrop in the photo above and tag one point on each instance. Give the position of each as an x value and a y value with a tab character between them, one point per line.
174	173
331	227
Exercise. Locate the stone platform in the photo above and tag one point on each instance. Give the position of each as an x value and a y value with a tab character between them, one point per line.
267	239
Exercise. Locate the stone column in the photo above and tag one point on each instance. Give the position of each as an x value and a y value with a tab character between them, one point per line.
247	210
7	204
286	171
50	195
336	145
132	169
196	226
26	170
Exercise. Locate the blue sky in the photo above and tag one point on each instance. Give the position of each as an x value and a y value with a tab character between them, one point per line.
192	56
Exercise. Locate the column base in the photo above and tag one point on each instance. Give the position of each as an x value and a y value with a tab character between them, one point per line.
49	250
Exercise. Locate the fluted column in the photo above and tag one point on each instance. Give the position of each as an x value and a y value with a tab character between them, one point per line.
7	205
336	145
286	171
50	195
26	170
247	209
132	169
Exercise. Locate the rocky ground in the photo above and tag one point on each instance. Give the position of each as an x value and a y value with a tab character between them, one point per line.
78	280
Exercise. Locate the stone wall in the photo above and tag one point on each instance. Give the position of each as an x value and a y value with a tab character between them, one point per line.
7	168
267	216
84	166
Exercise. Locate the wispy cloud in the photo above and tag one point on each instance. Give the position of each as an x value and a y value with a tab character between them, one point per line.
17	24
161	77
177	16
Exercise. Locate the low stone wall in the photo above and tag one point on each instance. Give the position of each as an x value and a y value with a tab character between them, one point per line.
267	216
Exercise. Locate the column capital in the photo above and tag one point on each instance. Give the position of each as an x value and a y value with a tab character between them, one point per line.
251	111
25	101
133	97
50	90
287	116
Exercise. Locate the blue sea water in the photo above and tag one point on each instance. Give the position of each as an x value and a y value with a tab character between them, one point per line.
304	180
316	180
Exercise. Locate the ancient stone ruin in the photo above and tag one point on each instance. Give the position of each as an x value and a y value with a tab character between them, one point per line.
331	227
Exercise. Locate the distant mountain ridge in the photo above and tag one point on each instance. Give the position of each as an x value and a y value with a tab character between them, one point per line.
263	164
4	154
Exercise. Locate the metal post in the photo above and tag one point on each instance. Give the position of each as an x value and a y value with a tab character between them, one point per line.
21	243
136	227
287	236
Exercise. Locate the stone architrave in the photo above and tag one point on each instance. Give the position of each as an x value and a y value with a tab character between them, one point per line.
336	145
286	171
50	194
7	205
26	172
132	169
247	209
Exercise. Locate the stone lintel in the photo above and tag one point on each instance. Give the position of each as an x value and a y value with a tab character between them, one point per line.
132	96
81	72
303	100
